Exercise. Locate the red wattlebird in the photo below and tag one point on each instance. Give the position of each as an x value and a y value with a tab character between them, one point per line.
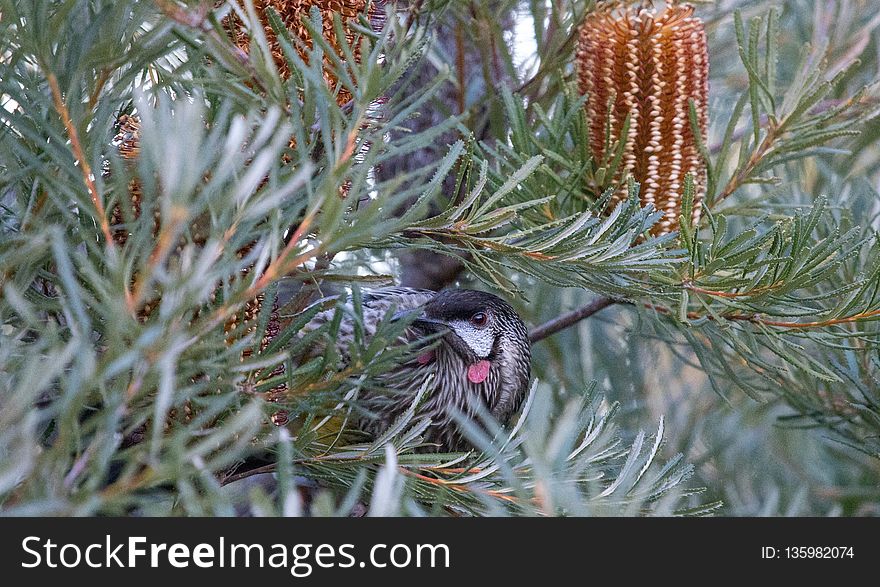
480	354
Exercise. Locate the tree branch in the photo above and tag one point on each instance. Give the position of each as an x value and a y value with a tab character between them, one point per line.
758	319
85	168
553	326
562	322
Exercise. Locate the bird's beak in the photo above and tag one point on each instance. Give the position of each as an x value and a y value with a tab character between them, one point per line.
430	324
421	320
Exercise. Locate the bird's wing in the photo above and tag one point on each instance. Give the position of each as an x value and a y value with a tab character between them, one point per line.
404	298
376	303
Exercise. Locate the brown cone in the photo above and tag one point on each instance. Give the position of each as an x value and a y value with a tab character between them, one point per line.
292	13
636	62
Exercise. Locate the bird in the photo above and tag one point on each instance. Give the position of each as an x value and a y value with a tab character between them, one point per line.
473	351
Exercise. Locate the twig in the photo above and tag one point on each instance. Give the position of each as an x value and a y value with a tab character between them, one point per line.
736	294
99	85
562	322
553	326
764	120
454	486
757	319
754	160
85	168
226	480
817	324
282	264
775	130
164	243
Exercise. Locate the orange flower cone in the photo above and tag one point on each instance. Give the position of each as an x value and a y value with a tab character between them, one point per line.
647	67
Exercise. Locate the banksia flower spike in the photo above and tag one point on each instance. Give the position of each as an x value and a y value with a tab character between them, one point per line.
641	70
292	13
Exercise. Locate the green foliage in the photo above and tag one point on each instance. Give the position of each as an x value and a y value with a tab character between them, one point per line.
777	300
795	124
564	457
256	186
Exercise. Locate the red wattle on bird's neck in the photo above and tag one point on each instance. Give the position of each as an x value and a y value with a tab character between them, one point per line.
478	372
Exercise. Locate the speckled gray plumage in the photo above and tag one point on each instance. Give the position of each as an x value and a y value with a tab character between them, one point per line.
448	386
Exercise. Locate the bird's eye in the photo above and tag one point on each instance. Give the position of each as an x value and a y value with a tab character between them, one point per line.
480	319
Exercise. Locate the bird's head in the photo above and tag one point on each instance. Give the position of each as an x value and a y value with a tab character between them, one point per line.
484	330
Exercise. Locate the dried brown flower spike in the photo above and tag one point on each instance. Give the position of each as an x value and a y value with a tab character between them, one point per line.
292	13
648	66
128	144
